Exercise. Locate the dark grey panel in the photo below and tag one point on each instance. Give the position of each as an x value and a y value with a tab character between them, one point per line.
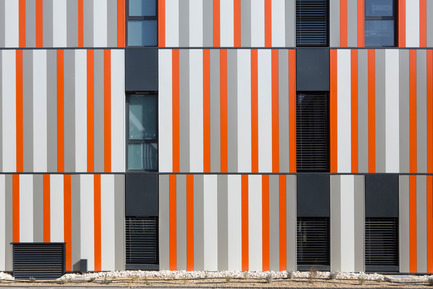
141	195
141	69
312	69
381	195
313	195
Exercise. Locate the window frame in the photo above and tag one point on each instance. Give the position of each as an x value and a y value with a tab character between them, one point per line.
386	18
140	18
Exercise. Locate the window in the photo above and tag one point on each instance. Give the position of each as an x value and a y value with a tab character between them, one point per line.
312	22
380	24
142	23
143	132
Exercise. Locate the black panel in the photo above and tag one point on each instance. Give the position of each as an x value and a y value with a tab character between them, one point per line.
313	195
312	69
141	195
312	22
313	241
381	195
141	69
142	240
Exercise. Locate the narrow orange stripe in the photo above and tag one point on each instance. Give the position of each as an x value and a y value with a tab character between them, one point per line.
237	22
371	111
172	221
429	212
90	112
216	23
47	208
22	23
80	23
190	222
107	110
15	208
254	113
430	111
292	110
19	110
283	232
245	249
60	112
223	108
175	103
121	23
206	110
412	225
39	23
265	222
422	23
401	23
97	216
354	104
275	115
67	199
333	111
361	24
412	111
343	23
268	23
161	23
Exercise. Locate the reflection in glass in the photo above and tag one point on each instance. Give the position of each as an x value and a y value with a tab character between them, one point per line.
379	33
142	33
379	8
143	156
142	7
142	117
135	156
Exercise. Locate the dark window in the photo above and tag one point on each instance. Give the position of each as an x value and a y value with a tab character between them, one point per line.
312	22
142	23
380	23
312	132
142	240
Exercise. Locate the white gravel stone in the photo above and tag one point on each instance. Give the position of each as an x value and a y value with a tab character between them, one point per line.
6	276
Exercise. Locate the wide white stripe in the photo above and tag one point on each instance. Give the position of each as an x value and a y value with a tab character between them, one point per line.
392	109
196	110
172	23
265	110
59	23
2	223
343	112
347	219
11	23
412	23
196	23
9	110
165	97
56	208
244	110
100	23
40	110
227	23
234	206
87	220
26	208
278	23
255	222
210	222
108	249
117	111
257	23
81	110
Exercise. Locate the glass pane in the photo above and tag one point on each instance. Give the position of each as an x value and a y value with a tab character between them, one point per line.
150	156
142	7
135	156
379	7
142	33
379	33
142	117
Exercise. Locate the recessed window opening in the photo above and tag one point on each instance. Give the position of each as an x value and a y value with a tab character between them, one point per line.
380	23
142	23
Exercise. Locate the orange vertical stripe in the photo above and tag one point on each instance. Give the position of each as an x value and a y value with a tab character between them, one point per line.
265	222
206	110
216	23
107	110
429	212
412	225
190	222
371	111
283	232
343	23
354	104
245	250
60	112
430	111
223	108
401	23
292	110
15	208
333	111
254	112
67	195
422	23
275	114
121	23
161	23
361	24
175	103
412	110
22	23
80	23
172	221
90	112
19	109
39	23
237	22
268	23
47	208
97	216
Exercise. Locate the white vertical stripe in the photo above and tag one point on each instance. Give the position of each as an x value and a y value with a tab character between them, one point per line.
347	219
56	208
2	223
117	110
108	249
40	110
244	110
81	110
265	110
343	112
165	97
234	208
210	222
9	110
392	108
257	23
227	23
196	110
100	23
278	23
59	23
255	222
87	220
195	23
11	23
172	23
26	208
412	23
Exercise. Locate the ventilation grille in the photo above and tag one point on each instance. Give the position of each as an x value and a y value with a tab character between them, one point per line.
142	240
313	241
38	260
312	23
312	132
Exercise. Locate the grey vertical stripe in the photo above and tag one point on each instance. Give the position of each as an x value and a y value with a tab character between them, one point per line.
88	23
38	208
52	110
69	110
207	23
8	223
164	223
245	23
404	223
119	225
421	112
72	23
352	23
283	109
184	24
380	110
112	23
75	218
184	125
421	223
274	223
232	111
28	110
215	145
181	221
363	111
99	110
290	23
47	22
199	222
223	250
429	24
359	222
291	222
1	108
30	23
334	27
335	223
2	24
404	111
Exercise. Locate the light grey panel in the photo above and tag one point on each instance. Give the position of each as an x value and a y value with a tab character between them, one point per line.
335	223
290	23
334	27
111	23
69	110
283	109
47	22
1	108
184	125
215	145
421	112
291	222
199	222
363	111
164	222
274	223
359	222
404	111
222	183
430	23
75	217
72	23
38	208
8	223
99	110
2	24
119	221
28	110
404	223
30	23
184	24
245	23
421	223
352	23
52	110
88	23
207	24
380	109
181	221
232	111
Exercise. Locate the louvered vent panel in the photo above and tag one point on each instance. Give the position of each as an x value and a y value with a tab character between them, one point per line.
312	22
38	260
312	132
313	241
142	240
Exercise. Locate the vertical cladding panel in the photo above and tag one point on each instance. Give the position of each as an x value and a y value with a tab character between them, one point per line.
265	110
56	208
223	221
208	23
172	23
362	111
344	112
244	110
72	23
359	226
404	223
28	86
119	211
165	143
278	23
412	23
108	248
195	23
227	23
100	23
11	24
59	23
421	112
69	110
347	195
184	24
290	18
30	21
80	111
38	208
255	222
257	23
181	221
274	244
291	221
2	222
164	223
234	224
2	31
352	24
118	112
283	109
99	111
1	111
40	110
76	222
421	224
335	223
232	110
210	222
215	111
198	242
87	220
88	25
380	117
184	110
8	222
26	208
404	111
246	23
52	110
8	110
111	23
47	23
334	25
429	24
